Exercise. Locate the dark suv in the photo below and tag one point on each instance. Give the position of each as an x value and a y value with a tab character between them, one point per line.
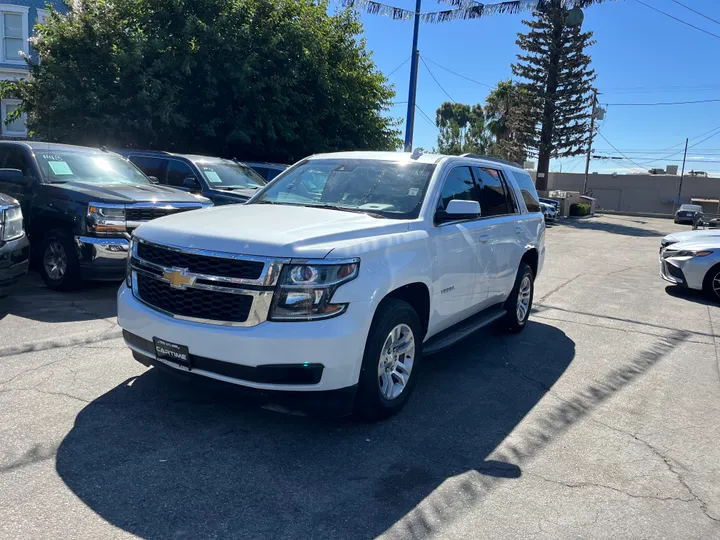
267	170
223	181
81	205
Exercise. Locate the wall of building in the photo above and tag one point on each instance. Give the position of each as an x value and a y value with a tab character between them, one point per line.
637	192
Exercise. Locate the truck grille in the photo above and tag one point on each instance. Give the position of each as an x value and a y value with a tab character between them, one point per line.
200	264
150	212
194	303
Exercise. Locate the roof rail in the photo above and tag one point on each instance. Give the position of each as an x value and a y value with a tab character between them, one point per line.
495	159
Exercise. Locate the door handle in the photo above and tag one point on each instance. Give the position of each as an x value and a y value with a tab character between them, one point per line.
484	238
519	229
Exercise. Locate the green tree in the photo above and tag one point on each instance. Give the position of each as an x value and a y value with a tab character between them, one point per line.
557	83
462	129
269	80
503	117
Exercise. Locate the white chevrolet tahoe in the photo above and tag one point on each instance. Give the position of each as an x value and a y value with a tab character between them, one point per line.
335	278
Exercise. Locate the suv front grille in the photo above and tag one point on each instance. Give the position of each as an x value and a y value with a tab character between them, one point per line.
147	213
194	303
200	264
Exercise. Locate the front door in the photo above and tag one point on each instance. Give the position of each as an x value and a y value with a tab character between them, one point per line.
15	157
461	255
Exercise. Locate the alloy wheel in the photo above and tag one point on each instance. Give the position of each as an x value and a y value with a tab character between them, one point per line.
397	357
523	301
55	260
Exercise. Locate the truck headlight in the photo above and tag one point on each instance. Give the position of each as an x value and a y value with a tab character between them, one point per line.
106	220
305	289
11	224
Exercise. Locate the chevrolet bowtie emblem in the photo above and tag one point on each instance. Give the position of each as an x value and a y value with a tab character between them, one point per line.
178	278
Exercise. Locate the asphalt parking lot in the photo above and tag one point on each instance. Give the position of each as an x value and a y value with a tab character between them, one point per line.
601	420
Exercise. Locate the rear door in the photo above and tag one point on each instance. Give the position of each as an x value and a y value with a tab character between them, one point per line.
500	212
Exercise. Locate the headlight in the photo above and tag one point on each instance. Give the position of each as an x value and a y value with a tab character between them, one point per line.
11	224
692	253
106	220
305	289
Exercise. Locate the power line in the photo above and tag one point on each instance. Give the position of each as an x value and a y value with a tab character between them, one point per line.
394	70
663	103
665	158
436	81
458	74
426	117
619	152
696	12
678	20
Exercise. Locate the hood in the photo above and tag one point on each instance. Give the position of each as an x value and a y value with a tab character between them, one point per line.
130	193
691	236
698	244
267	230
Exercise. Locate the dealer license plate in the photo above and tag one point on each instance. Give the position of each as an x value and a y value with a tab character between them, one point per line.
172	353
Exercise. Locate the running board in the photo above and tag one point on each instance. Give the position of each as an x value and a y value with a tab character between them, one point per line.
458	332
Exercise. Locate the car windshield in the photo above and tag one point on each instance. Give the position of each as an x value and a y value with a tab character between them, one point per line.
63	166
393	189
691	207
230	175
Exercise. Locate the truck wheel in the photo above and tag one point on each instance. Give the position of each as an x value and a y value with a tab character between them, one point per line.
59	265
711	283
390	364
519	303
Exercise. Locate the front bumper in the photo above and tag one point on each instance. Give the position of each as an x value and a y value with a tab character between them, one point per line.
14	263
102	258
684	271
241	355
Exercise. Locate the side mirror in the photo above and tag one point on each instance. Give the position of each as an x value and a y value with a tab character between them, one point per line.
191	183
154	179
459	210
14	176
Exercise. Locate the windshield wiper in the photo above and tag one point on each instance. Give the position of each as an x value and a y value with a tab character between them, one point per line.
347	209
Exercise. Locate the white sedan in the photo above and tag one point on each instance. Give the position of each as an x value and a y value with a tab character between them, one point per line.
692	263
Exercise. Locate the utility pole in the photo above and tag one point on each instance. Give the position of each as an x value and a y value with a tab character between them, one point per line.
590	141
682	174
412	91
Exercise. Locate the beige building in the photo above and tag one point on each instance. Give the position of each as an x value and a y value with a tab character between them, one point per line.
641	193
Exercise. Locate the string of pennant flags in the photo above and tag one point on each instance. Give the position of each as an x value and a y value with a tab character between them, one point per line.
462	9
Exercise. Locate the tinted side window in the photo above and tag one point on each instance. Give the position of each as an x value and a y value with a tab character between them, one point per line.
272	173
13	157
151	166
527	188
177	173
262	171
493	196
459	185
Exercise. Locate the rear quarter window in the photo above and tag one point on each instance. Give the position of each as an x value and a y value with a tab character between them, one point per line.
527	188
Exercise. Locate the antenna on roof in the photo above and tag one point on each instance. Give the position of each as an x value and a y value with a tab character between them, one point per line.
416	154
103	148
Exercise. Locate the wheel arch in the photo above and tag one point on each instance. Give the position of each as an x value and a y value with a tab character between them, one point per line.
532	259
706	284
417	294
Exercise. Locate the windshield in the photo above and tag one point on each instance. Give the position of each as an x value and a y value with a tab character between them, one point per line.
693	207
59	167
229	175
393	189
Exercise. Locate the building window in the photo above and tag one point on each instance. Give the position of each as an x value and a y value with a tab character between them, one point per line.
17	127
14	28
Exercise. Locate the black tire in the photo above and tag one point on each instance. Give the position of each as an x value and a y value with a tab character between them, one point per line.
711	275
70	278
370	403
511	321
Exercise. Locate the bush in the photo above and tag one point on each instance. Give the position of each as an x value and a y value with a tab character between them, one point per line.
579	210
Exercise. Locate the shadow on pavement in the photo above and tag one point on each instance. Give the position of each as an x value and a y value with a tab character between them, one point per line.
33	300
164	459
690	295
614	228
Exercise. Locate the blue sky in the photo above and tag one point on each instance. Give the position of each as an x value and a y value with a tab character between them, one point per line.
640	56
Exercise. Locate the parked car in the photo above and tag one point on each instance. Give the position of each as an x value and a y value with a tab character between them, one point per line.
694	264
14	245
552	202
549	211
223	181
335	278
81	205
688	236
267	170
686	213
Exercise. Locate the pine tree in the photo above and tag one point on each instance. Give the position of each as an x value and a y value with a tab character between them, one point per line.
462	129
557	82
